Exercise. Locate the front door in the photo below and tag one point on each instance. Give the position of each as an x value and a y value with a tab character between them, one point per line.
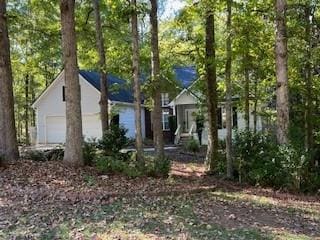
189	119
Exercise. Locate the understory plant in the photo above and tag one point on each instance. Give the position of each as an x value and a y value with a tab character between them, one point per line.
111	160
261	161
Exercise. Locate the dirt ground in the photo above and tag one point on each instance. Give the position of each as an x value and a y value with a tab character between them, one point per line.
46	200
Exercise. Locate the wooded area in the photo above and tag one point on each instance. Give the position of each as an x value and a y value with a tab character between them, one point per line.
258	60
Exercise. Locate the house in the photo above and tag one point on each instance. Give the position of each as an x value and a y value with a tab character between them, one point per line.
182	103
185	106
50	108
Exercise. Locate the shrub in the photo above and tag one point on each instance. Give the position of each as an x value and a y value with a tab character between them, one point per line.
55	154
108	164
126	164
89	149
113	140
35	155
156	167
261	161
192	146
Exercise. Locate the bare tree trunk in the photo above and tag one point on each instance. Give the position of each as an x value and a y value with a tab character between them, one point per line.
247	90
255	106
157	111
308	82
74	139
26	110
104	114
33	98
229	93
136	81
211	82
282	72
8	139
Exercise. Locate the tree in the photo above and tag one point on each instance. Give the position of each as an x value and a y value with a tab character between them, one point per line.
104	114
155	74
229	92
73	151
308	79
282	72
136	80
8	141
211	88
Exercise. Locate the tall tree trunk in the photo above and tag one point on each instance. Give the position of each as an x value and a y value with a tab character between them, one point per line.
211	82
33	98
255	106
74	139
229	93
247	90
157	110
8	139
26	108
136	81
104	114
308	82
282	73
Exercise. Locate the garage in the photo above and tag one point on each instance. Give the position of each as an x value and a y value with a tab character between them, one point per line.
56	128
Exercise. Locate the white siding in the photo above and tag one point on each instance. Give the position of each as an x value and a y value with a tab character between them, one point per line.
50	113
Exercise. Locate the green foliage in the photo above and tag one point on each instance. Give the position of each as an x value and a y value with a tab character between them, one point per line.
261	161
192	145
113	140
35	155
55	154
126	164
156	167
89	149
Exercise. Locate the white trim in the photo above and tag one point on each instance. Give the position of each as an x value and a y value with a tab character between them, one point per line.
125	103
172	103
61	74
45	92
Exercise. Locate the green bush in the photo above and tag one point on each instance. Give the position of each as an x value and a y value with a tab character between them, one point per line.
35	155
109	164
113	140
192	145
156	167
126	164
89	149
55	154
261	161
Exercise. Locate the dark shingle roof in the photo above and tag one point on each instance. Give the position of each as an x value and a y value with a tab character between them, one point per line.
186	75
122	93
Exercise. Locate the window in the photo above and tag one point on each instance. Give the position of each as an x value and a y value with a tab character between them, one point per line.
165	99
165	119
63	93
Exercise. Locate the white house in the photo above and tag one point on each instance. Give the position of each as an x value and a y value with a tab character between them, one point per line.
51	110
185	106
51	121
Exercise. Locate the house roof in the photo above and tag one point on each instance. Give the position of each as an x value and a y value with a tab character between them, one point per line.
185	75
121	94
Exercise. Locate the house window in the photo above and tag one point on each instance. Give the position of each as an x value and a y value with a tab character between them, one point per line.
165	99
165	119
63	93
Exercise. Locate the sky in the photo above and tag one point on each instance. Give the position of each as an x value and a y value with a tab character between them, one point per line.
171	7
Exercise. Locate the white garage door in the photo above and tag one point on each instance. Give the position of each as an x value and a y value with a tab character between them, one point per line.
56	128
